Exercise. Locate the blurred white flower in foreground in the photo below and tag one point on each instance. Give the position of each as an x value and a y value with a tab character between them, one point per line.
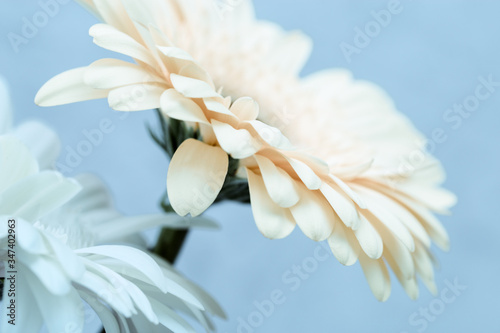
64	252
327	153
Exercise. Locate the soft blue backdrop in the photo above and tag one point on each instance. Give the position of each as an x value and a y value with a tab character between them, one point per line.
428	58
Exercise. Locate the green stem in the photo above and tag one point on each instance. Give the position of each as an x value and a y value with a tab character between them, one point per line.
170	243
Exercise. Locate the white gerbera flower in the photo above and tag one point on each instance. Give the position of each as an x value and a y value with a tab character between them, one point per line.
65	250
336	166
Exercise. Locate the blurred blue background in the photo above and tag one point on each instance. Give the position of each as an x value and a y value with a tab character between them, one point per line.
428	58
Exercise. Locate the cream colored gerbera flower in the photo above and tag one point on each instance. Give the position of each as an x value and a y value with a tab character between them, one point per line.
340	171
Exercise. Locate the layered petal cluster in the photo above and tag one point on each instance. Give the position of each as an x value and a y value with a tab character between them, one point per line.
327	153
68	249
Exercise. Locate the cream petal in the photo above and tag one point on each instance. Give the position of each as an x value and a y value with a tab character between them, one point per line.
271	135
430	223
377	275
175	52
68	87
423	262
273	221
291	53
305	173
437	199
344	245
343	206
113	73
245	108
238	143
113	13
356	198
279	185
192	88
194	71
110	38
175	105
313	214
369	239
195	176
136	97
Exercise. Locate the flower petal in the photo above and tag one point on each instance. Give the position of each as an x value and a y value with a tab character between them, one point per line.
136	97
195	176
67	87
175	105
273	221
239	143
314	215
114	73
112	39
279	185
192	88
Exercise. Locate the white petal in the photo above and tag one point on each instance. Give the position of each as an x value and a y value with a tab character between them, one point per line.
70	262
16	162
67	87
31	240
170	319
28	316
195	176
42	142
137	259
41	194
108	320
272	220
5	107
60	312
47	271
